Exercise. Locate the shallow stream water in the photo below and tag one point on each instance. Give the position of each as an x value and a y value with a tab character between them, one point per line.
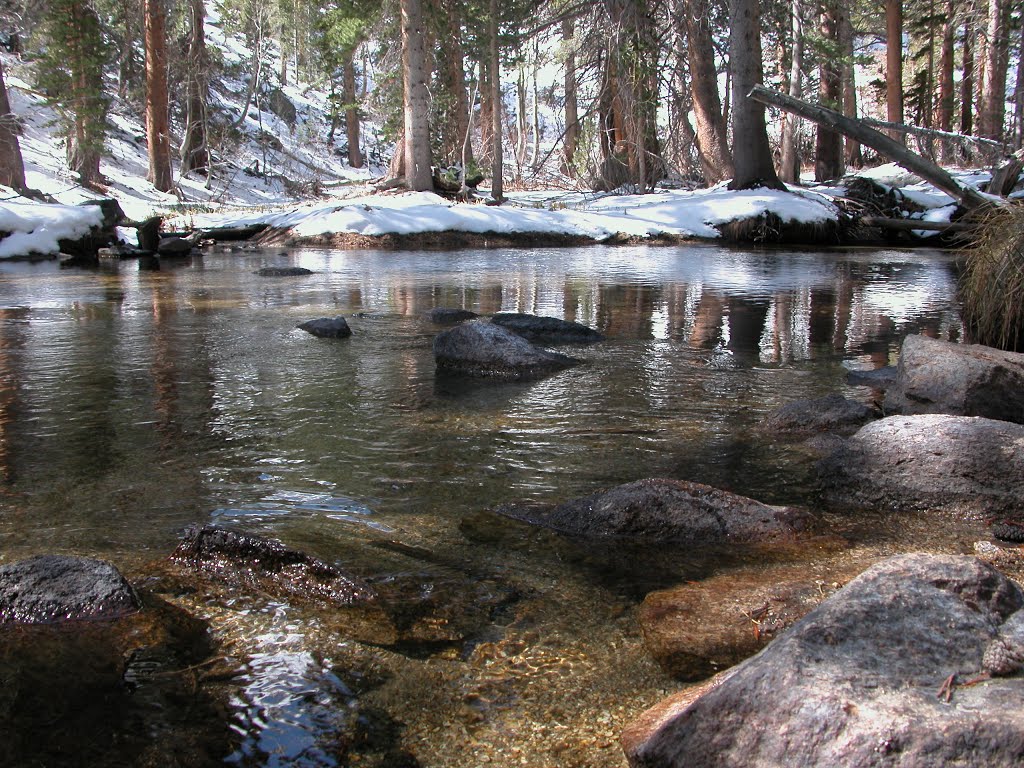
133	403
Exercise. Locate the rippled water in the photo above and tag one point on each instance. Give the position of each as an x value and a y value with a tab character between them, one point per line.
133	403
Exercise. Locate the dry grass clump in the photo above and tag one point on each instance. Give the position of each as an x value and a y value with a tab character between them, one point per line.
992	282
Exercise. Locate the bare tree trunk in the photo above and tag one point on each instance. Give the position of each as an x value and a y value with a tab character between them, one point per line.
12	166
348	85
894	62
967	83
712	140
194	151
497	165
789	164
752	154
572	121
486	111
452	66
945	105
158	139
852	153
416	99
521	115
535	110
997	59
828	148
1018	99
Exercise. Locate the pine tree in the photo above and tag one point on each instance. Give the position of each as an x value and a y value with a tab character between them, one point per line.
158	139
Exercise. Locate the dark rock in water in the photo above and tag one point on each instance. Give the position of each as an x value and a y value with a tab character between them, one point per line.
959	379
880	378
832	413
703	626
54	588
283	271
966	466
267	564
148	233
872	676
84	250
328	327
448	315
664	510
546	330
174	246
486	350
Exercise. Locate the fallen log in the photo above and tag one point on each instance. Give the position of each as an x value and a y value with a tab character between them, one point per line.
916	224
855	129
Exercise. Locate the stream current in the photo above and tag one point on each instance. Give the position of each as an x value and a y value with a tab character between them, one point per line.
134	403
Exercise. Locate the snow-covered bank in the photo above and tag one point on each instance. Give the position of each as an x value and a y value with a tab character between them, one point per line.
677	214
30	229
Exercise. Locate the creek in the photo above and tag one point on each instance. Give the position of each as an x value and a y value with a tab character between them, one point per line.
133	403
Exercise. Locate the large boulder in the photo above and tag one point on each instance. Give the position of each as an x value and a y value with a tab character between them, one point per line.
328	327
664	510
872	676
963	465
279	103
54	588
546	330
832	413
960	379
487	350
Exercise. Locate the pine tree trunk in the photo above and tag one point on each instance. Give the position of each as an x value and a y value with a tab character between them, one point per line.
828	147
12	166
486	111
158	139
894	63
83	42
997	59
967	82
194	152
497	164
712	140
452	64
852	153
789	164
348	84
945	105
416	99
752	154
572	120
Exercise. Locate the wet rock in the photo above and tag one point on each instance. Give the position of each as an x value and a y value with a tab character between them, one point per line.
174	246
696	629
664	510
448	315
859	681
832	413
959	379
283	271
879	378
268	565
486	350
546	330
110	693
328	327
966	466
54	588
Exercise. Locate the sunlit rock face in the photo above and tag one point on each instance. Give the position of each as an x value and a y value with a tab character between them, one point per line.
481	349
959	379
966	466
872	676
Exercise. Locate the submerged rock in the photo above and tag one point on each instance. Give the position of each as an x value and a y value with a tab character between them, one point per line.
878	379
267	564
328	327
546	330
486	350
283	271
872	676
664	510
966	466
448	315
832	413
959	379
54	588
696	629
